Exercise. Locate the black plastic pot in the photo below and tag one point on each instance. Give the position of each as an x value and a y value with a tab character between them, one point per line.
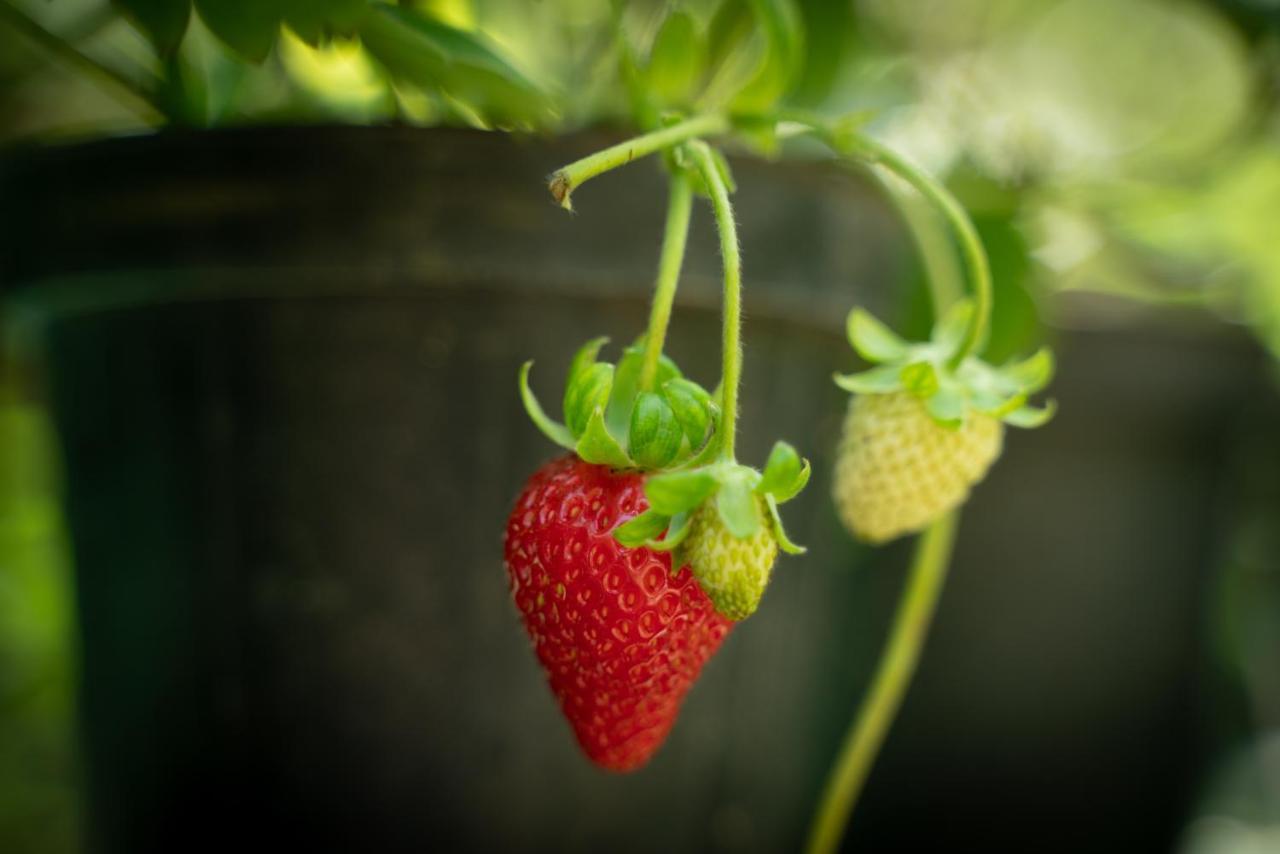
282	364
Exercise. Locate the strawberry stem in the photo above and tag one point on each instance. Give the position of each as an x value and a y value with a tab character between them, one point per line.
679	207
564	181
731	350
854	143
893	676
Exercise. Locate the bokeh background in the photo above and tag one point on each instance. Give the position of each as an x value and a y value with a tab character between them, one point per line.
1122	161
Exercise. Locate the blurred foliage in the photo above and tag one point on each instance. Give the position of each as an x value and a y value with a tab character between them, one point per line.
38	802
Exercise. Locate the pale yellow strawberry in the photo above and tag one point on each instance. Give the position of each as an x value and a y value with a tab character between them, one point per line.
898	470
734	572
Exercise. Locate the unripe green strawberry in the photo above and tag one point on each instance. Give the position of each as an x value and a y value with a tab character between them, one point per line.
898	469
733	571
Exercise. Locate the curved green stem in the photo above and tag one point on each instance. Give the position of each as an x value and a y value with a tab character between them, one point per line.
731	349
854	143
897	666
679	206
564	181
970	244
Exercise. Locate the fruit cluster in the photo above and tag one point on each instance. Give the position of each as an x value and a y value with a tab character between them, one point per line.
633	557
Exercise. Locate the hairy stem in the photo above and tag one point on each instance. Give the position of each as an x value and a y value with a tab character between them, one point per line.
731	349
893	676
854	143
679	206
21	23
564	181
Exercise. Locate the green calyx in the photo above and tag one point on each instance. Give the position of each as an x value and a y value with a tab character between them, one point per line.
949	393
744	499
610	418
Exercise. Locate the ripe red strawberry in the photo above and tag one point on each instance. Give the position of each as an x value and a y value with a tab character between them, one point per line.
621	638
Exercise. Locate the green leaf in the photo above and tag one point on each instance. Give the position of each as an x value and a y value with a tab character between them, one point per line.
557	433
949	333
588	392
736	504
874	341
655	435
249	27
163	21
779	532
676	533
597	445
636	531
1030	416
778	21
878	380
679	491
1032	374
947	406
784	473
920	379
311	20
435	56
692	407
676	59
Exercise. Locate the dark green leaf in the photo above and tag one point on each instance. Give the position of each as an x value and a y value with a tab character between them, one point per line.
679	491
163	21
436	56
312	20
249	27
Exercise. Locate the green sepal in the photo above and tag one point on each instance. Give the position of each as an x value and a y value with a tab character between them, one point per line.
996	405
585	394
692	407
874	341
638	530
947	407
554	431
1031	416
597	445
680	491
785	474
583	359
736	504
677	531
920	379
949	333
626	385
655	435
779	532
881	379
1031	374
